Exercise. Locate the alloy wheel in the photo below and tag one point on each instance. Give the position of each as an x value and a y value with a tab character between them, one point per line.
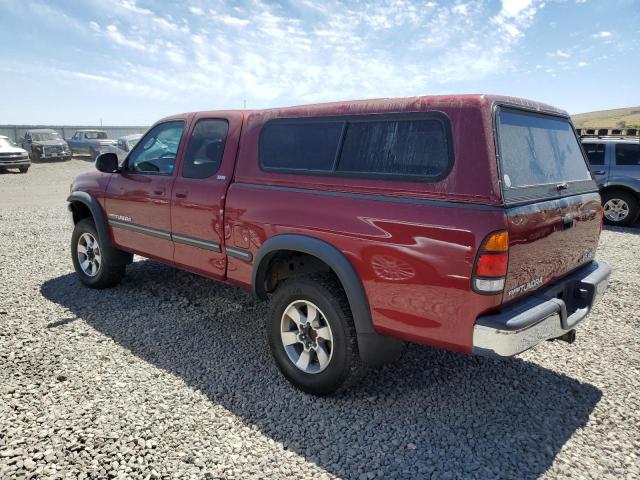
89	257
306	336
616	210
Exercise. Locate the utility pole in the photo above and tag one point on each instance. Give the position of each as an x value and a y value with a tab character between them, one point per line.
100	122
244	103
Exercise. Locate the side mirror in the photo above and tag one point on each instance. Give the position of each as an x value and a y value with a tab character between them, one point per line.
107	162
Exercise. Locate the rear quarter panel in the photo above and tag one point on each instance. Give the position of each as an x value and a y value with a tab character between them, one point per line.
414	259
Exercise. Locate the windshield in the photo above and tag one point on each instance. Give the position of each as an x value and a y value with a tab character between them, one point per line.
44	136
5	142
538	150
95	135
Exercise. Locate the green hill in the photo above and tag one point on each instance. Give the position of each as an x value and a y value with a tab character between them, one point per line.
608	118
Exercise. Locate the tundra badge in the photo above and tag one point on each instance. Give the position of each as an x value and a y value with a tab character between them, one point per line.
525	286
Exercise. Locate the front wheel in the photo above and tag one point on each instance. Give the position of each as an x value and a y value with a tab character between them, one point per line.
312	335
90	264
23	169
620	208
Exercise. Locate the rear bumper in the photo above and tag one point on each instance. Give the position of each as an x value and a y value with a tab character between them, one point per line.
544	315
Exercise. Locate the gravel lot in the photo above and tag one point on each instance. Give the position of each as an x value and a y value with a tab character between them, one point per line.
169	376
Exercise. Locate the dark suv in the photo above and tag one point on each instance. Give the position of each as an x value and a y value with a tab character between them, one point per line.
615	162
463	222
45	144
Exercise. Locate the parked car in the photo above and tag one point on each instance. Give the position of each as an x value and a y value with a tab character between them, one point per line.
615	162
89	142
45	144
12	156
123	146
365	224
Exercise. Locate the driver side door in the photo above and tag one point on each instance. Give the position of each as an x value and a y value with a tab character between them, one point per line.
138	198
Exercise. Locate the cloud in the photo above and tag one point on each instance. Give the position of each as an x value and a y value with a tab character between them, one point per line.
583	64
601	35
132	6
562	54
270	53
515	15
112	32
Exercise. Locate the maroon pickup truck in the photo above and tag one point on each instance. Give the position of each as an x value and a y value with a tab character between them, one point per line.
465	222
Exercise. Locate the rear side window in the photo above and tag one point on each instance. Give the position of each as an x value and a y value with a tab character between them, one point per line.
627	154
415	146
405	147
300	145
206	146
595	153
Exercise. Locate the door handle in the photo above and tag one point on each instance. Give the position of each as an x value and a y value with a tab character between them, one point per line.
181	194
159	191
599	172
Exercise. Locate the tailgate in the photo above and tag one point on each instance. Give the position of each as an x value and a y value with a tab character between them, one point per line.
547	240
553	205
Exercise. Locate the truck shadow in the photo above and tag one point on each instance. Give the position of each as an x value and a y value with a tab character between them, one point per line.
431	412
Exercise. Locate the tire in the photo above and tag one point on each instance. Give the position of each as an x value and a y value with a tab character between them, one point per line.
620	208
342	367
93	154
100	274
35	157
23	169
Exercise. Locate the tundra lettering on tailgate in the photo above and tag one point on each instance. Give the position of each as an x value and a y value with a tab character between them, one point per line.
524	287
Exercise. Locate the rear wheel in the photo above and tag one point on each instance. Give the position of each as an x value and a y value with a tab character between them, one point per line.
90	264
312	336
620	208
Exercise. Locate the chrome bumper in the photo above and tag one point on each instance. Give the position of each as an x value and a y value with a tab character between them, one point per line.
544	315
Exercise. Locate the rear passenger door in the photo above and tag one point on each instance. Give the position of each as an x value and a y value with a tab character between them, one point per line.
199	192
599	161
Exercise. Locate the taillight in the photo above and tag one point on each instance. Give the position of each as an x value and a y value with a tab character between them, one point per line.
490	269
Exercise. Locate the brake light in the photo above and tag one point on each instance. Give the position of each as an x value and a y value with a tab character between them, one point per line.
492	265
490	268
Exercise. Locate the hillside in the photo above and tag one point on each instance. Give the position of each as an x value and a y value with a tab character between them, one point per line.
608	118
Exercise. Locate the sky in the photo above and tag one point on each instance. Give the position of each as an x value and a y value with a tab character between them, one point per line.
131	62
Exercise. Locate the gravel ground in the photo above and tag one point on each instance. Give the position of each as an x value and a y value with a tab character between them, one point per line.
169	376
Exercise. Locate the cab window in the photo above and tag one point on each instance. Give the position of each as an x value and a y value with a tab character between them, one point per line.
206	146
156	152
